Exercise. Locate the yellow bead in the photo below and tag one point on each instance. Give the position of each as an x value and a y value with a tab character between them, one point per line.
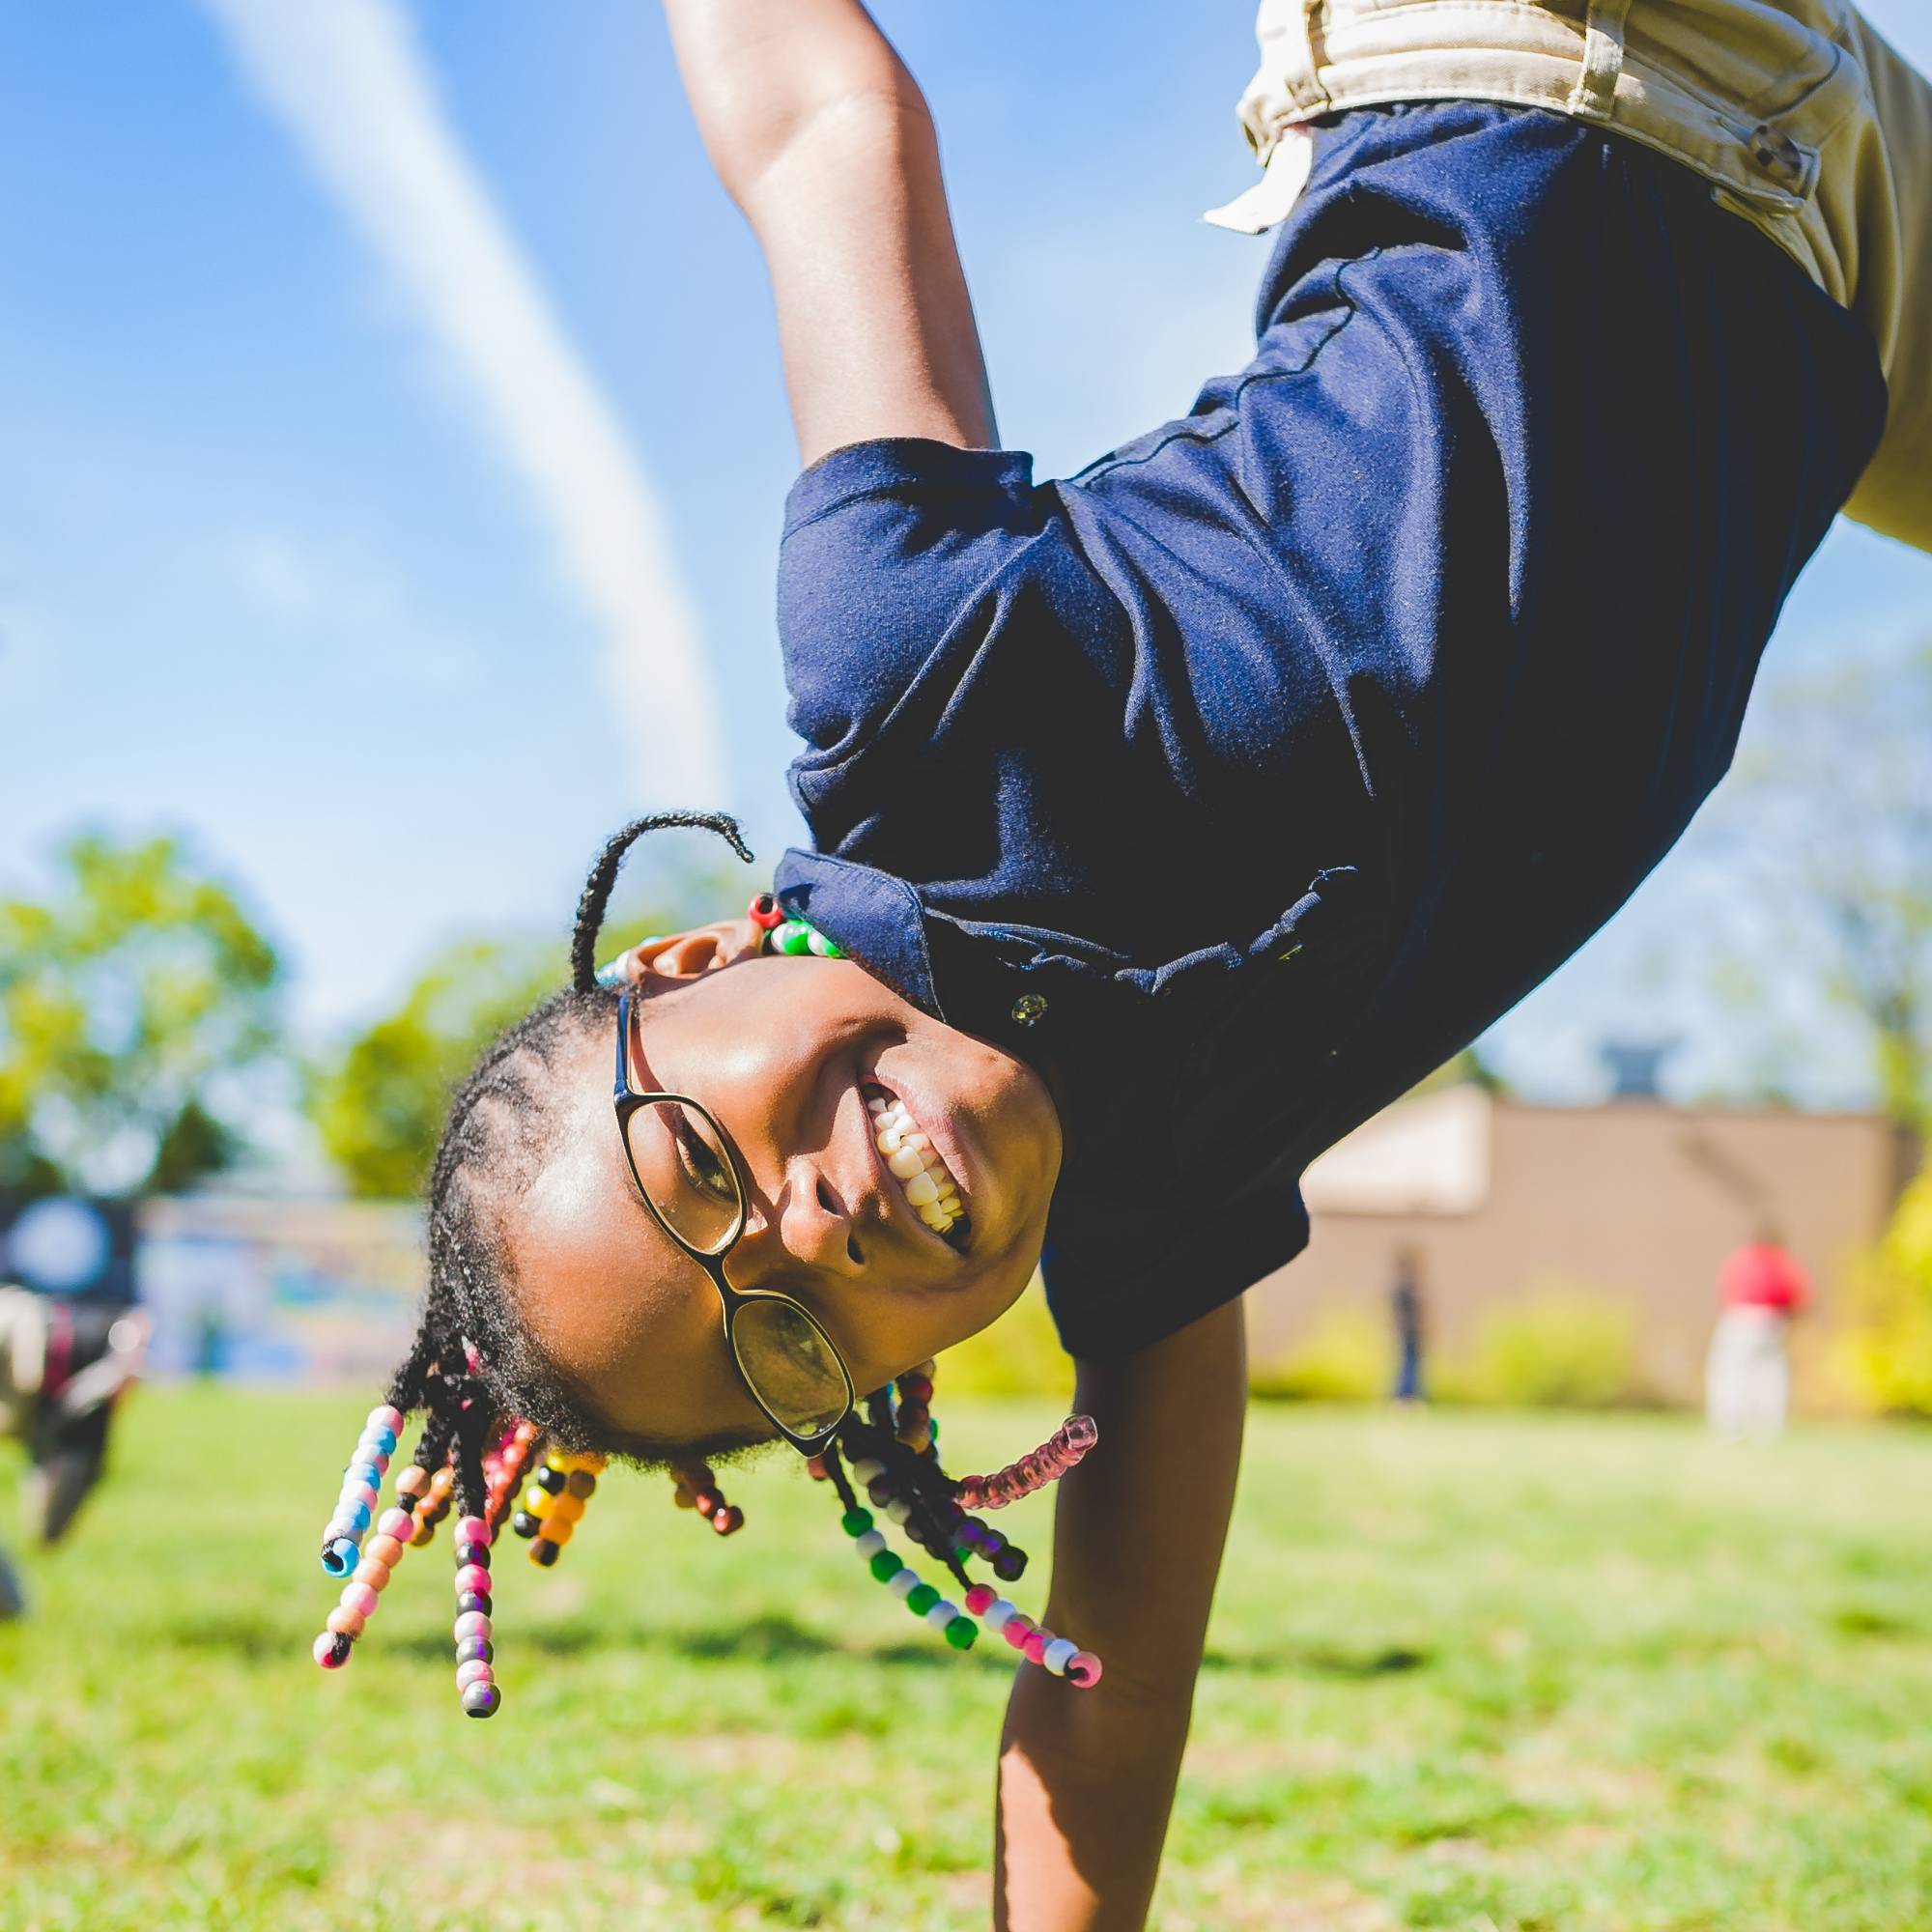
538	1501
558	1531
566	1508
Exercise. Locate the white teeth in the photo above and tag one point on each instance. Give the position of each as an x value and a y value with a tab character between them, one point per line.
928	1189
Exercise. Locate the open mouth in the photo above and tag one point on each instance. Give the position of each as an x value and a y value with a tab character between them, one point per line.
930	1188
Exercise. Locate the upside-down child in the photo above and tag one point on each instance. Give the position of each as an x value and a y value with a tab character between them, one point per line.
1170	819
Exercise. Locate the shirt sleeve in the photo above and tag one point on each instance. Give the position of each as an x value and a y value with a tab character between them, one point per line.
900	559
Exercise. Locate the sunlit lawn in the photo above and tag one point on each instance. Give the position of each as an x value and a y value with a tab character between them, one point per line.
1466	1671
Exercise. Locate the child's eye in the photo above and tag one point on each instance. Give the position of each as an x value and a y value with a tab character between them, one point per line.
703	1165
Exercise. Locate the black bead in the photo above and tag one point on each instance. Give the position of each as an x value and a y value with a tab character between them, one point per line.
526	1525
1010	1565
473	1600
545	1552
552	1481
478	1553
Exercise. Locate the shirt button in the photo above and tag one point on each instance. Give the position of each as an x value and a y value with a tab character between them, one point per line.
1028	1009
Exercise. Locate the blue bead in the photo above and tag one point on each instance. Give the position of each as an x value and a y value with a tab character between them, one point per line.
363	1472
386	1438
341	1556
358	1515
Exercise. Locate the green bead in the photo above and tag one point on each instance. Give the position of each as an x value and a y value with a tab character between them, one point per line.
932	1427
855	1522
826	948
884	1566
921	1598
961	1632
793	937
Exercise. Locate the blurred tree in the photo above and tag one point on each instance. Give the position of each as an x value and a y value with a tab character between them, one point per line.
1830	818
136	1004
378	1106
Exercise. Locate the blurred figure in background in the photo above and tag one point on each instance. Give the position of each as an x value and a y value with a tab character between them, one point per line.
61	1365
1406	1311
1748	1377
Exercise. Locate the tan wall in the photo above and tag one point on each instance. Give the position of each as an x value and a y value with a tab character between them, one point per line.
1612	1199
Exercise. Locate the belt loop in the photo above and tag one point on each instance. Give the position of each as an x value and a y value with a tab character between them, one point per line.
1596	86
1295	23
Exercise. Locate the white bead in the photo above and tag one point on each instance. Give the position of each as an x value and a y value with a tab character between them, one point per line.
1000	1613
869	1543
920	1190
1059	1654
870	1470
898	1509
942	1613
906	1163
819	945
904	1584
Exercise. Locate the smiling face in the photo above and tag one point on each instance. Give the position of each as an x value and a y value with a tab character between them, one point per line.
807	1065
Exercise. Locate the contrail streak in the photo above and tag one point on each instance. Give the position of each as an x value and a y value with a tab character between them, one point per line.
350	85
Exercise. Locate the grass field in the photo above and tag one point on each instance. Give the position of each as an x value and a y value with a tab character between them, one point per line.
1466	1671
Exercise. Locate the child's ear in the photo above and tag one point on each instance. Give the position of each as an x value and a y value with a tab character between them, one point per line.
686	955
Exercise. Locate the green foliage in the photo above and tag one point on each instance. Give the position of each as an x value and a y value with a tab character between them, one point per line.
1019	1354
1347	1357
1465	1671
1561	1348
379	1105
138	1004
1889	1348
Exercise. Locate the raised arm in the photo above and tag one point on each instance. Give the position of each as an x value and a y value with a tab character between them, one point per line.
823	139
1087	1778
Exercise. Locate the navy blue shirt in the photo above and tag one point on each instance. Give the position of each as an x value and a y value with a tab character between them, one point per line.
1250	773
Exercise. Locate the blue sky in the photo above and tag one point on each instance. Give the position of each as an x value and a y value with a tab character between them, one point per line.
360	524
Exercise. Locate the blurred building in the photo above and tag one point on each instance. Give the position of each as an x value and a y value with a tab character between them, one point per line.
279	1290
1635	1199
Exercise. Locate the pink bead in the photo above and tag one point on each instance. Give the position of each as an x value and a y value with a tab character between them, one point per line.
972	1494
475	1672
375	1576
361	1493
345	1622
398	1524
388	1416
1035	1647
472	1529
979	1599
1018	1629
472	1623
472	1578
1083	1668
358	1597
330	1652
1081	1432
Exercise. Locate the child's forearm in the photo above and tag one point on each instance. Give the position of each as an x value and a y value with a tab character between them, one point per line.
762	74
821	137
1087	1777
1085	1793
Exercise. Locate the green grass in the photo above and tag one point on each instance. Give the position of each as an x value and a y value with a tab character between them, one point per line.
1485	1672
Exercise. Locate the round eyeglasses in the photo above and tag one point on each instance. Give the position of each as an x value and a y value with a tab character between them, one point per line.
690	1181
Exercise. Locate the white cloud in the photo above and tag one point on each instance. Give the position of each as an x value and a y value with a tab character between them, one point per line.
347	81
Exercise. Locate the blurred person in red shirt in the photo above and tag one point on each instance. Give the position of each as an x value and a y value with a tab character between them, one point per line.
1748	1377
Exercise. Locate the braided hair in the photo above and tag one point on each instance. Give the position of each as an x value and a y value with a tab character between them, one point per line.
491	1398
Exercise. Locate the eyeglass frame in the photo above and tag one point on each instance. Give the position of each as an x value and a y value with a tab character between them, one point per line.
628	1101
